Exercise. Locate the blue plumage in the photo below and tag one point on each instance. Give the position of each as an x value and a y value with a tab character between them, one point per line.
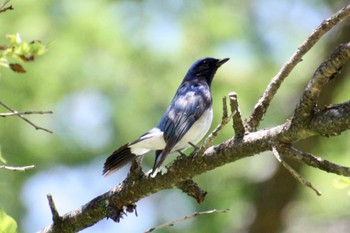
187	119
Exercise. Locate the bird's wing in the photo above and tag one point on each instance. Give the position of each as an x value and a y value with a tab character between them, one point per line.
189	103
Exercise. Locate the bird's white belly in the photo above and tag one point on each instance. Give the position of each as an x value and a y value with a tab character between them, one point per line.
154	139
198	130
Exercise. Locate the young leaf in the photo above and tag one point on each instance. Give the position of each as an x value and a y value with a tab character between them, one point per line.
7	223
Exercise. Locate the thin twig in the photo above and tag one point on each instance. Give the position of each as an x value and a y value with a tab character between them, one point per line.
210	139
224	108
3	8
196	214
312	160
21	169
23	118
6	114
55	216
237	122
263	103
294	173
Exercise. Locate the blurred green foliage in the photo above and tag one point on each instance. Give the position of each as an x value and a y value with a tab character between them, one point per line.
112	68
7	224
19	51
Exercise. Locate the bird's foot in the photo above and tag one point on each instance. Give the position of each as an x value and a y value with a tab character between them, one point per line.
193	145
154	172
182	154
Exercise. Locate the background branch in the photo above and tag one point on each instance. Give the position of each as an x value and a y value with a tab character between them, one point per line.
196	214
21	169
24	118
4	8
6	114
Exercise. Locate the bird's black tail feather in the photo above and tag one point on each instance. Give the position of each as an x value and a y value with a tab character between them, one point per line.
118	159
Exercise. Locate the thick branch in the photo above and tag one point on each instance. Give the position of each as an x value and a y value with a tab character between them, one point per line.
332	120
323	74
184	168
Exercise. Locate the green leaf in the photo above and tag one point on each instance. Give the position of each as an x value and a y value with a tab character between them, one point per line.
18	51
7	223
14	38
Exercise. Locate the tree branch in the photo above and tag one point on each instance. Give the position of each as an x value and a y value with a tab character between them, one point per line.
183	168
225	119
313	161
4	8
237	122
329	121
55	216
23	118
6	114
21	169
264	102
196	214
323	74
293	172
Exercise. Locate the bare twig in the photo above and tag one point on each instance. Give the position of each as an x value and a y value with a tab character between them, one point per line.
3	7
55	216
225	119
21	169
196	214
294	173
23	118
237	122
6	114
311	160
224	108
263	103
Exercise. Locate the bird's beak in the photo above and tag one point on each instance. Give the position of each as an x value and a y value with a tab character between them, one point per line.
222	61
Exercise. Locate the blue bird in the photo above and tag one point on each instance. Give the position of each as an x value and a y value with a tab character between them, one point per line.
185	122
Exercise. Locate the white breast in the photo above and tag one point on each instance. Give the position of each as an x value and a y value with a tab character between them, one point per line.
198	130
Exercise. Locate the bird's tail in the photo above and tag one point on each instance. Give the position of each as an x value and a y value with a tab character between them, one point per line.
118	159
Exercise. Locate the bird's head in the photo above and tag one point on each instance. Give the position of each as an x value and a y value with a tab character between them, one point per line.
204	69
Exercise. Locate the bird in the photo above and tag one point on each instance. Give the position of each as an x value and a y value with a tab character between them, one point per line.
185	122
